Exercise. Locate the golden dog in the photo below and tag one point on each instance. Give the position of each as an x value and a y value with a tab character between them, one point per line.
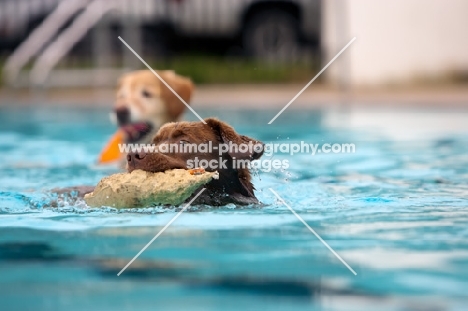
144	103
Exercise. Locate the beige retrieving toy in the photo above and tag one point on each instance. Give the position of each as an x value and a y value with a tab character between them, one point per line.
143	189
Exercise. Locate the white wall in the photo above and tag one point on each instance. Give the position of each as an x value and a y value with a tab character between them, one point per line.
398	41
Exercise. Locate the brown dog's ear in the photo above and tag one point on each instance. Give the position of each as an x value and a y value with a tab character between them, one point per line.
182	86
228	135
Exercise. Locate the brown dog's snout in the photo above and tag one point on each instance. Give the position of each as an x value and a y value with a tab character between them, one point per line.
123	115
134	158
140	155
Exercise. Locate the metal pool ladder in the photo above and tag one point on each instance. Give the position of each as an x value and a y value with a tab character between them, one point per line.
84	15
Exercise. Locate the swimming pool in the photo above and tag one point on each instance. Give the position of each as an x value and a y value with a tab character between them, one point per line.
396	210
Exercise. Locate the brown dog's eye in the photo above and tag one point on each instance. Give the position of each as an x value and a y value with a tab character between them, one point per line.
184	142
146	94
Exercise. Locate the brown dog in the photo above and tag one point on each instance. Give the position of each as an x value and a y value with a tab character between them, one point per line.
234	184
144	103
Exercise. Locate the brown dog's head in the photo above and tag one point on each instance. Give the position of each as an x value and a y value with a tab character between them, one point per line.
142	98
211	146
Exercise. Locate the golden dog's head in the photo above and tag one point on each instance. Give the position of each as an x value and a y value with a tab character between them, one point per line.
143	98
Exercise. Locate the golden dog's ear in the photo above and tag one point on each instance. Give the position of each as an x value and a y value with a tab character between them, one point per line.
182	86
228	135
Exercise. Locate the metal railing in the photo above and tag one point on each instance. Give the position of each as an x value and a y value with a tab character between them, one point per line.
61	30
39	38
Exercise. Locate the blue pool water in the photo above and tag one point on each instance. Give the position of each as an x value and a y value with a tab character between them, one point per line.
396	211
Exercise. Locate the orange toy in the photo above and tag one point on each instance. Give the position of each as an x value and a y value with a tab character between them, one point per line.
111	151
